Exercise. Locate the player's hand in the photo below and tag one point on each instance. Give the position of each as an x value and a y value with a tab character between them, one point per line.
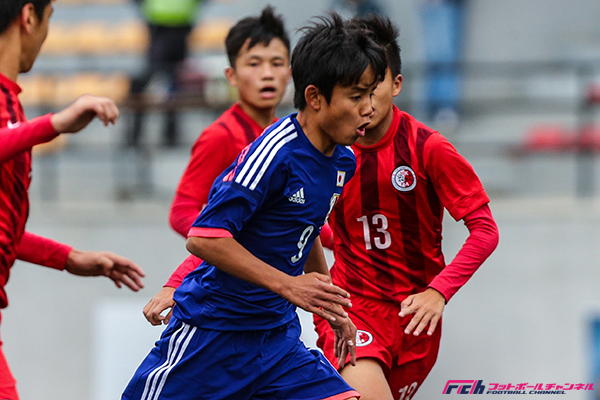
158	304
120	270
345	340
82	111
427	306
315	293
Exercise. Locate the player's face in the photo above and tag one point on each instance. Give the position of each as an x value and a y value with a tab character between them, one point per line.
382	102
36	32
344	118
261	74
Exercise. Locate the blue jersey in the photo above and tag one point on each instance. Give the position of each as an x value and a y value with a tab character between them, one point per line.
273	200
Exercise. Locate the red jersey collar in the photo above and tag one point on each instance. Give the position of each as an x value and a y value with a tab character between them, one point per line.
386	140
255	125
12	86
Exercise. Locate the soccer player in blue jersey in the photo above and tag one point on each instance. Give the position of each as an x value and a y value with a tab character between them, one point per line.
234	333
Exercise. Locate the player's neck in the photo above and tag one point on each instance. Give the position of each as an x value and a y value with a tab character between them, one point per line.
10	55
262	116
375	134
317	137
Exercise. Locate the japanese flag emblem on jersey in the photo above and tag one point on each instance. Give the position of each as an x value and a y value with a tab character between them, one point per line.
404	178
341	178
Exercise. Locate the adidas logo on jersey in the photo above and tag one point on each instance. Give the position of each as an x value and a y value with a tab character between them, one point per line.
298	197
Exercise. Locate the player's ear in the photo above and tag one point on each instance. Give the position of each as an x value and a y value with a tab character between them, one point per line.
397	85
28	17
312	97
230	75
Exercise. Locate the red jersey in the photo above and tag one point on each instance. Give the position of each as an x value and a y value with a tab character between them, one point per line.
217	147
388	221
17	136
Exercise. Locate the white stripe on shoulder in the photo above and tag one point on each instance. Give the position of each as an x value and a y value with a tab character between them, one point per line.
271	156
266	143
351	149
268	151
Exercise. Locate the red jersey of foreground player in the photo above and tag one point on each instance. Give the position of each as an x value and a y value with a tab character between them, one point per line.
388	222
17	137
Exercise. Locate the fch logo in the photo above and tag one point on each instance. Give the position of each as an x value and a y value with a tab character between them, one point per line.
464	387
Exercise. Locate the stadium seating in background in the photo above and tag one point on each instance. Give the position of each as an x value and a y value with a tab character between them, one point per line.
56	91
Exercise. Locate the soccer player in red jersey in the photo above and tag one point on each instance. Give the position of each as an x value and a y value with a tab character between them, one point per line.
258	50
23	28
388	229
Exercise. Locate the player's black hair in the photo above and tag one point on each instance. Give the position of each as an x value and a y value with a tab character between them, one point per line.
385	34
330	53
10	9
261	29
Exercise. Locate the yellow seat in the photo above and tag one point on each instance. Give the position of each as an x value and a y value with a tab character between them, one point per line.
210	35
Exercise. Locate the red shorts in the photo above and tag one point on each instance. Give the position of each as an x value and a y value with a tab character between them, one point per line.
406	359
8	385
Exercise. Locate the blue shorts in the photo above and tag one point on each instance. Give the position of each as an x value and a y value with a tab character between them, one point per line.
190	363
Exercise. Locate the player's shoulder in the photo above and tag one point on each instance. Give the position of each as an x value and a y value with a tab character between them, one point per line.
346	156
278	139
271	149
218	133
416	129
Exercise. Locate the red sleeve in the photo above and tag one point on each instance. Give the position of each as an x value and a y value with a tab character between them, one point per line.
327	236
184	211
211	154
43	251
187	266
24	136
482	240
453	178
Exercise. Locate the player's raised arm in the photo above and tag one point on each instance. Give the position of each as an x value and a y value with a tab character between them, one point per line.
119	269
313	292
82	111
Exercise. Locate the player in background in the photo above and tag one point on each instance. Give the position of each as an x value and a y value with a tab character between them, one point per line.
388	230
234	333
23	28
258	49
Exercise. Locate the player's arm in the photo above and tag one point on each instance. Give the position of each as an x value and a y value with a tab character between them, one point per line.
163	300
49	253
343	328
315	261
24	136
327	236
429	305
460	192
312	292
43	129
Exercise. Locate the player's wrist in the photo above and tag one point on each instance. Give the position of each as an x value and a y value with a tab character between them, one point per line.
56	122
280	285
73	259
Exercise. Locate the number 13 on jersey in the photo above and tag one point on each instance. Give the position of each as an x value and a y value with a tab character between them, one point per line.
379	222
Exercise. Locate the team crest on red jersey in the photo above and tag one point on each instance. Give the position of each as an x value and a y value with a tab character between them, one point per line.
363	338
404	178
